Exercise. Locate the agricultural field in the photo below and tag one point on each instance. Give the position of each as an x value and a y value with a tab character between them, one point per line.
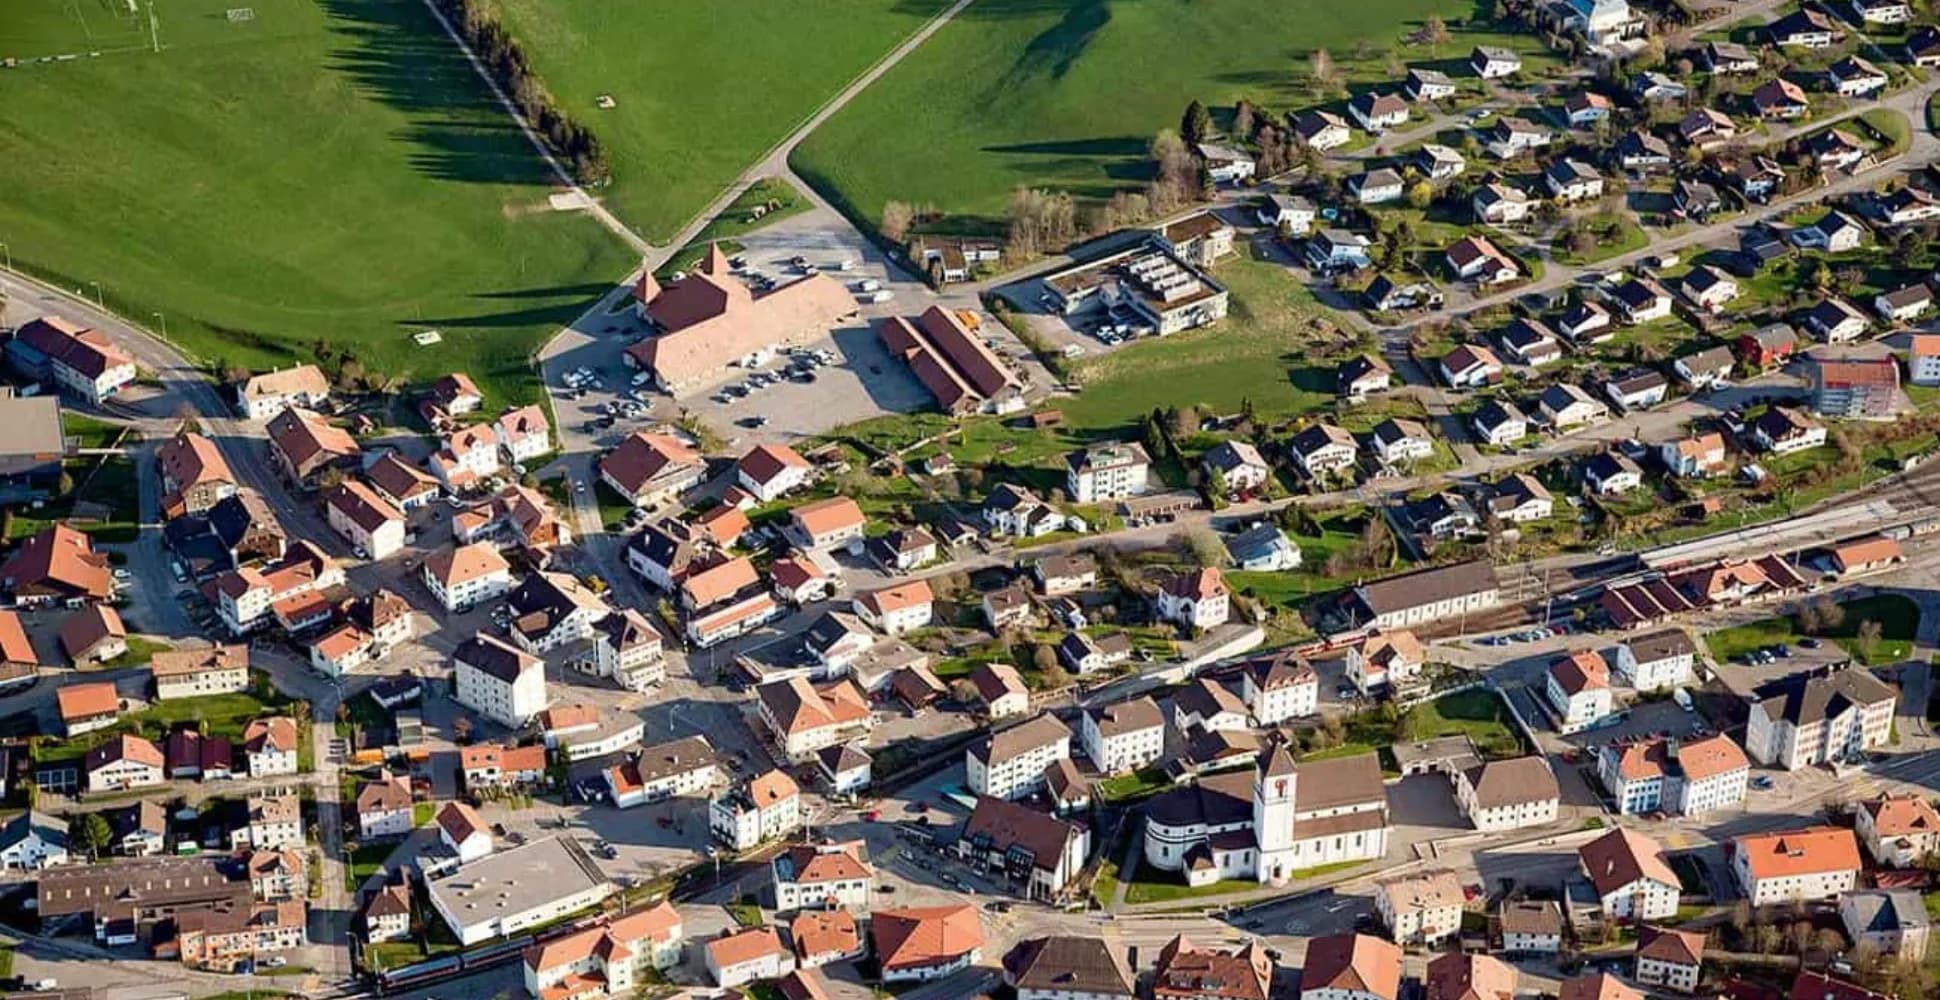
1068	96
700	90
310	172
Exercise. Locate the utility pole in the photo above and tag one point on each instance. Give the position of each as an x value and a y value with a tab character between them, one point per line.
154	28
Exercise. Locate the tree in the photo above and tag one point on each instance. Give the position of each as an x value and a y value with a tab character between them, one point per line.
1196	125
1869	636
1245	118
1321	69
1207	550
897	217
1434	32
1421	194
92	834
963	690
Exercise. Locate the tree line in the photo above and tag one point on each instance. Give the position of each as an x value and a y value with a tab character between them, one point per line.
503	56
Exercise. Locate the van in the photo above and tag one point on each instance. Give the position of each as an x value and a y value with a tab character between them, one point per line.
642	378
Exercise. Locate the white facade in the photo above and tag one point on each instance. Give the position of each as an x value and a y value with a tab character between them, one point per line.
1278	703
1017	774
1810	885
511	704
468	593
1125	749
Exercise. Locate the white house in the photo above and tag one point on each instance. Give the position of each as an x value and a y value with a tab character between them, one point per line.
1578	688
738	958
465	576
1281	688
1804	865
498	680
1421	909
33	840
1658	660
1125	736
1899	831
364	519
1195	600
1507	794
462	831
1631	878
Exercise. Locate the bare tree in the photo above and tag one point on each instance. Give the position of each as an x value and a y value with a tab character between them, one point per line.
897	217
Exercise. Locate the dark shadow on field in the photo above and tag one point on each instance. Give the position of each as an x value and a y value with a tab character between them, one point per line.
397	53
563	304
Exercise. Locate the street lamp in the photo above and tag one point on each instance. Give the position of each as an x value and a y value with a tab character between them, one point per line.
96	285
164	322
6	256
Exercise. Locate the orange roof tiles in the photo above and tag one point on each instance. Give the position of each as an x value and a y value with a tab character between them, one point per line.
1902	815
924	936
1799	852
83	701
824	517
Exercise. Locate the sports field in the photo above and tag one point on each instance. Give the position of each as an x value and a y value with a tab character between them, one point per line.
701	89
310	170
1068	96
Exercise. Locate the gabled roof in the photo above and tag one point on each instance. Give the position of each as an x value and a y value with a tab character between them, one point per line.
1668	944
1357	962
1621	857
1790	853
1085	965
924	936
60	558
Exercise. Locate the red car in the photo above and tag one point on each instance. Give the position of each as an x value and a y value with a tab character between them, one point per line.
872	815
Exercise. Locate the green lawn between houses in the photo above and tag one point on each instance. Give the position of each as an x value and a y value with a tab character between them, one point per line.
222	715
1068	96
328	170
701	90
1897	615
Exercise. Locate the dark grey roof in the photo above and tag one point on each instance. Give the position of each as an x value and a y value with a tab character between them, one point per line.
234	516
663	760
1412	590
1661	645
1885	911
1084	965
1805	700
494	657
1608	464
49	829
1495	413
663	545
845	757
1255	541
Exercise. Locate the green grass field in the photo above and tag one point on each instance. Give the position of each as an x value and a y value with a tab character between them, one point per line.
1897	615
330	170
700	90
1021	92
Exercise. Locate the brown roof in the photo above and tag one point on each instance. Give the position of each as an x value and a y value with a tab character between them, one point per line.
1127	717
1185	970
798	706
59	558
83	349
454	566
1790	853
1507	782
1008	824
191	459
1087	966
825	932
84	701
720	581
1583	670
711	318
1532	916
524	422
895	598
362	505
276	732
772	787
1597	986
185	662
995	680
398	479
644	457
460	821
125	747
826	516
947	357
387	793
1902	815
14	646
304	379
1469	977
1196	585
1696	759
1018	740
736	948
1866	551
923	936
308	440
764	462
1353	962
1667	944
832	863
88	627
803	984
1621	857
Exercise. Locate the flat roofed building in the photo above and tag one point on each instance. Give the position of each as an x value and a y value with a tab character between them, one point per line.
509	891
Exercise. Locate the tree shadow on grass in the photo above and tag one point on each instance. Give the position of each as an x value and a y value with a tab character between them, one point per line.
398	55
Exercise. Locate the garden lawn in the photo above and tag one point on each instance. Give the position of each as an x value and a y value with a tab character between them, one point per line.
1898	617
1477	714
88	432
1068	96
700	90
1135	785
222	715
1149	885
328	171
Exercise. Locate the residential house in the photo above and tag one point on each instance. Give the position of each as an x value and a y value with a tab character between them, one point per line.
1289	213
1833	232
261	397
1378	112
1475	258
1332	250
1530	342
1398	441
825	524
1804	28
498	680
1496	203
1768	346
1886	921
1795	865
1572	181
1428	85
1782	430
1194	600
1507	794
1612	473
1011	763
1520	499
1632	881
1565	406
769	807
1641	152
1110	471
1779	99
1657	660
1899	831
1695	456
1500	423
1322	130
1421	909
1263	548
1470	366
1492	62
1578	688
1351	967
1836	321
32	841
1069	967
740	957
1637	390
925	943
124	762
465	576
649	469
1705	369
1670	958
1225	164
1855	388
1124	736
1854	77
1709	289
1238	464
303	445
1820	718
1323	449
896	609
1677	775
1375	187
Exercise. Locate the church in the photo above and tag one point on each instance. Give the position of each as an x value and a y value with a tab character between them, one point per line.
1271	821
